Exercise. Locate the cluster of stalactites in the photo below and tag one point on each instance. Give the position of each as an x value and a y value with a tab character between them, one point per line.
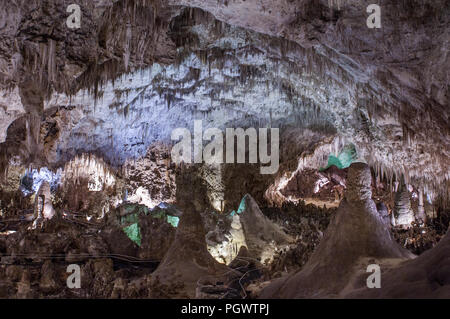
42	62
88	167
138	47
435	188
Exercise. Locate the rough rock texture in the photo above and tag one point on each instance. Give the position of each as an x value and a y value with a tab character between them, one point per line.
43	207
321	188
225	242
421	215
150	179
247	227
403	213
355	233
263	237
34	262
116	91
118	243
428	275
384	213
306	63
157	238
188	259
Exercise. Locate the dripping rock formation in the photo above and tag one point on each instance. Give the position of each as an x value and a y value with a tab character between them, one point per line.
356	118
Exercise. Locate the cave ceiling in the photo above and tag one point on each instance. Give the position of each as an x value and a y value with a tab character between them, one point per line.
135	70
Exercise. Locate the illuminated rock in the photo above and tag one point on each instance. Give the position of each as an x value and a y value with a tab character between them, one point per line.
312	69
263	237
43	207
421	215
33	179
355	235
223	244
403	213
188	259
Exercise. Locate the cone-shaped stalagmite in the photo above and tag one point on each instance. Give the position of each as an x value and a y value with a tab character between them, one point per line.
188	259
355	234
259	231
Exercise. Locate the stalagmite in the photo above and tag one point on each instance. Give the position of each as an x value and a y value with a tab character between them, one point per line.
355	235
403	213
262	236
101	102
225	251
421	209
43	207
188	260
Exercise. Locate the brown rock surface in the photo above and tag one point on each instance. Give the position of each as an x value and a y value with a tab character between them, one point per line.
356	232
188	260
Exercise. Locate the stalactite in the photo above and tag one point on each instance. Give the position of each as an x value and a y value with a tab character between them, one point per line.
127	52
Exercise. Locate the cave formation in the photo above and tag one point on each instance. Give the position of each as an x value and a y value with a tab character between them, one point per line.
88	174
